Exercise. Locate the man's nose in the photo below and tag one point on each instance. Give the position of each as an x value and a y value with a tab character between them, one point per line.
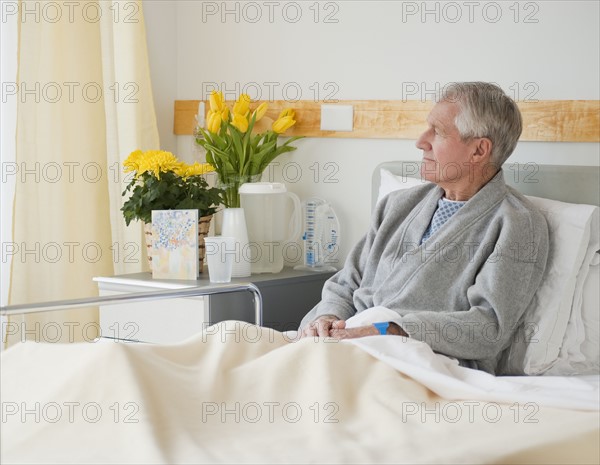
422	142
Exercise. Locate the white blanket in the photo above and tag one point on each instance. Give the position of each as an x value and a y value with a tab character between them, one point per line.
238	393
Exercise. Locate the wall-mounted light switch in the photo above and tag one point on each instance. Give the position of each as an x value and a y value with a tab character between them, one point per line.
337	117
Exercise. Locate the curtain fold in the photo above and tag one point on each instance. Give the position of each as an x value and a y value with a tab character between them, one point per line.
84	103
130	120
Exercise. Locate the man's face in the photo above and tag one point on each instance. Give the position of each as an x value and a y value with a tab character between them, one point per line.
445	155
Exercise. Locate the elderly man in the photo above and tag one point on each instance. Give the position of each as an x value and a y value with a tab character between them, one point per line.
459	258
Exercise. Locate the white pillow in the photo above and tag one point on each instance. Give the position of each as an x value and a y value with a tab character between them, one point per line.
391	182
536	347
590	347
580	352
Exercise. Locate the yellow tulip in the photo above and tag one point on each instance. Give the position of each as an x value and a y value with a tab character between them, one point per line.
240	122
209	117
283	124
260	111
213	121
216	101
225	113
287	112
242	105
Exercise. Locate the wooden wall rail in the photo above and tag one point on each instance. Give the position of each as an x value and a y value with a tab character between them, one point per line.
544	120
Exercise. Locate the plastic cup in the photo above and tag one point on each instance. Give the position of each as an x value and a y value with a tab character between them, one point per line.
220	253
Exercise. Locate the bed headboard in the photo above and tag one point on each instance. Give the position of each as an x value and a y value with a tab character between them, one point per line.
572	184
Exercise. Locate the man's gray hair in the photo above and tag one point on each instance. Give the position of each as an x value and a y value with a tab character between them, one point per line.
486	111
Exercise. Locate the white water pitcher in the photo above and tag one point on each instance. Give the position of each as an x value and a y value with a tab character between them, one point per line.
270	226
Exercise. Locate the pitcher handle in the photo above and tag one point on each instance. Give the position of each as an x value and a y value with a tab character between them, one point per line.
296	219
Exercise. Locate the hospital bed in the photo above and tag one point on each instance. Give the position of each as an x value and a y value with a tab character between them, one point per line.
238	392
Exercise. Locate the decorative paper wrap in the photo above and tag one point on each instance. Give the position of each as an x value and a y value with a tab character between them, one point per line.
202	227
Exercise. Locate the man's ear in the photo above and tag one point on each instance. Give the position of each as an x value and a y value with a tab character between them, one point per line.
482	151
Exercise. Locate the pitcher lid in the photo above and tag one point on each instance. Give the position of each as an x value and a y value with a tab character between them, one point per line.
262	188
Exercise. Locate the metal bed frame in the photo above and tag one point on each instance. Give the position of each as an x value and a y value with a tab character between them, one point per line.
11	310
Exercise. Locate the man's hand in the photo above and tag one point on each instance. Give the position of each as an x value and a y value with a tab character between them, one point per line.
368	330
323	326
352	333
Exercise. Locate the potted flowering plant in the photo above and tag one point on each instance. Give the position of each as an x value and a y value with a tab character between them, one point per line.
235	153
162	182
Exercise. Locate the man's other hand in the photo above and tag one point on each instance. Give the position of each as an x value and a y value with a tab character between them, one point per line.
322	326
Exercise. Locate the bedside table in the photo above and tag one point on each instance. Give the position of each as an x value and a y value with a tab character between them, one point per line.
287	297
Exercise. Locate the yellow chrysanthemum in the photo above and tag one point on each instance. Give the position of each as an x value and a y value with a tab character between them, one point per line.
132	163
158	161
197	169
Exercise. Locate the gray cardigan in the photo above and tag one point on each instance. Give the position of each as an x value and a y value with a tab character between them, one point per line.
465	290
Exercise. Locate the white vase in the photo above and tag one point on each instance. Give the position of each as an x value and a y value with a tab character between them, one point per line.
234	225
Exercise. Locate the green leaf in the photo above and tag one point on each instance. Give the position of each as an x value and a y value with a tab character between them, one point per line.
238	156
209	157
270	157
293	139
219	141
248	136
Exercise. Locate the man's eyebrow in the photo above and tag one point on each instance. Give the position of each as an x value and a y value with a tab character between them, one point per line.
435	124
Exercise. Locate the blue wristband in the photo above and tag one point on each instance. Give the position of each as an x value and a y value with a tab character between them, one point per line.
382	327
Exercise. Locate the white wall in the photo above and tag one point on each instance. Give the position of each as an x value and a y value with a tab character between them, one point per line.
161	32
375	50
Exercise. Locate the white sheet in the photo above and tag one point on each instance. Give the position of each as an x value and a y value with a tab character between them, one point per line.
446	378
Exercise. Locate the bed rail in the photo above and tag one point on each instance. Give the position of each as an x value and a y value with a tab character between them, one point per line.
140	297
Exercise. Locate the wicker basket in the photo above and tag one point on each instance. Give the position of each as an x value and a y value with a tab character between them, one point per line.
203	227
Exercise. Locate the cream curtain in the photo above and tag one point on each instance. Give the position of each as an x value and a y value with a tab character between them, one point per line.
84	103
130	118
